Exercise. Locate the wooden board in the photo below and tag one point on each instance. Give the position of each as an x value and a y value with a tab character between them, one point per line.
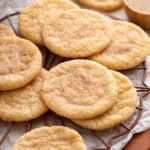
140	142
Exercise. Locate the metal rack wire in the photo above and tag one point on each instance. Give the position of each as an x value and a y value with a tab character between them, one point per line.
50	60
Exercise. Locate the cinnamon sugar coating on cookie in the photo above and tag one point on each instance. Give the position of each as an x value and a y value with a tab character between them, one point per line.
50	138
79	89
20	62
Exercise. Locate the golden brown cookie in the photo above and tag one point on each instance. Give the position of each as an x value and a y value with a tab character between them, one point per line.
76	33
34	15
6	31
121	111
20	62
129	47
25	103
79	89
50	138
103	5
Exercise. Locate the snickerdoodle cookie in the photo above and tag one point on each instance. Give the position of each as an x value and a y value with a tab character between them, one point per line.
129	47
6	31
25	103
50	138
76	33
20	62
103	5
120	112
79	89
34	15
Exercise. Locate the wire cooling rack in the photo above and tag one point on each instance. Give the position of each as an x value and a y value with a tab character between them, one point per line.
50	60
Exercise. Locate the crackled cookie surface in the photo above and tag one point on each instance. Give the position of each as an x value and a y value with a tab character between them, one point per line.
129	47
120	112
50	138
6	31
34	15
76	33
25	103
103	5
20	62
79	89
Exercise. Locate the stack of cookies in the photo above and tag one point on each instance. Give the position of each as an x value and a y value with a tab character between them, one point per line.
85	90
89	94
72	32
21	77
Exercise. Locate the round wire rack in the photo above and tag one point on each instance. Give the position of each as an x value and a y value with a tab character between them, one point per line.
50	60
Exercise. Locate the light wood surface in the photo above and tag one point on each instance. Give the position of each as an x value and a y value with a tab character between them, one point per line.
140	142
